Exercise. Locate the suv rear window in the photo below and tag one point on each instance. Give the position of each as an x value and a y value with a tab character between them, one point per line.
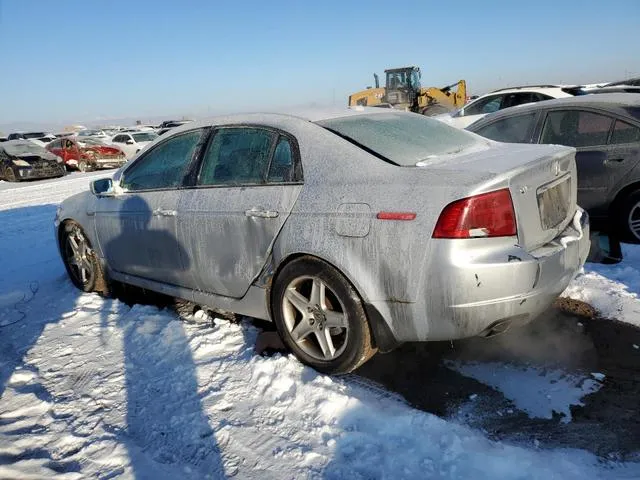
400	138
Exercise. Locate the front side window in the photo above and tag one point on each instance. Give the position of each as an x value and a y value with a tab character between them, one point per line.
624	132
237	156
164	166
576	128
511	130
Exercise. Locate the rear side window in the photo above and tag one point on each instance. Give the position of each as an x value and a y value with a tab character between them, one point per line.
576	128
282	168
484	105
237	156
624	132
164	166
511	130
400	138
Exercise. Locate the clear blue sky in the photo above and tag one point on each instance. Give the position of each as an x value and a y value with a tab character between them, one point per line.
85	60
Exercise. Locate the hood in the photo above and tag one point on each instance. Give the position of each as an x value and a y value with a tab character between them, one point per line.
27	151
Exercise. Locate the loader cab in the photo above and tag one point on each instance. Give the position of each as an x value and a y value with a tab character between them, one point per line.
402	86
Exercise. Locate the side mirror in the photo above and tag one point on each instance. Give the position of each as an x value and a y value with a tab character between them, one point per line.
102	187
129	142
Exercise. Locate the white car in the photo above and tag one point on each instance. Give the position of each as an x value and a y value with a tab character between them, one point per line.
132	142
101	134
507	97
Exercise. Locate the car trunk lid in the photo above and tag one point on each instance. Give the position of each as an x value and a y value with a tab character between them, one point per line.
541	178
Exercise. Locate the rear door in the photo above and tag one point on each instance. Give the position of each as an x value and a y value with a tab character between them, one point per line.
600	164
247	185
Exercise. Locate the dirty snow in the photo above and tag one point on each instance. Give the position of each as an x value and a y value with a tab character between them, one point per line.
612	289
540	392
90	387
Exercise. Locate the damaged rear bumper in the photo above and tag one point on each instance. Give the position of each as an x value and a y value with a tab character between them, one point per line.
482	288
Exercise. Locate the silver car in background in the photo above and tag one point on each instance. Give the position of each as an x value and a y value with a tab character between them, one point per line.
353	231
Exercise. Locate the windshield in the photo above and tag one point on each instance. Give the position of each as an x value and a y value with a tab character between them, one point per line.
22	148
144	137
35	135
402	138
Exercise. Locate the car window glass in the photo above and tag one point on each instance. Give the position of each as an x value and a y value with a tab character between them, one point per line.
282	167
539	97
484	105
236	156
624	132
512	129
164	166
576	128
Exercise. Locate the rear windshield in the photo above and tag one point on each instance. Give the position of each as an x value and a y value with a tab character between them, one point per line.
633	111
401	138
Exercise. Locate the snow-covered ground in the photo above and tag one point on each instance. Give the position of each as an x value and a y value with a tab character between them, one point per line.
90	387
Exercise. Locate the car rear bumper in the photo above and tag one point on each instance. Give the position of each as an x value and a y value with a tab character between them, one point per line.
480	292
109	162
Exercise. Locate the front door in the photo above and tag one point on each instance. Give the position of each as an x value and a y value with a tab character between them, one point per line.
248	183
137	227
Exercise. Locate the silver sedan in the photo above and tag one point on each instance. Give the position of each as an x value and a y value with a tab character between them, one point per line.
353	231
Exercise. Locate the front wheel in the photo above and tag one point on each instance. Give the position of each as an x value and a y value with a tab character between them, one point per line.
82	166
320	317
10	175
80	261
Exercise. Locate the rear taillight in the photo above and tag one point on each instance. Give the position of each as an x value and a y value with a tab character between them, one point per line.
485	215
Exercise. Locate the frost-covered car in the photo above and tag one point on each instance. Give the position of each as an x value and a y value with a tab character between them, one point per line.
84	153
24	160
353	230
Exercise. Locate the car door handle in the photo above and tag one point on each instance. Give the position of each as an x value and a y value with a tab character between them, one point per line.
615	160
256	212
160	212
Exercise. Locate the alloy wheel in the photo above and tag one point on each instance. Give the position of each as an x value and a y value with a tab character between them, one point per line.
77	254
633	221
315	318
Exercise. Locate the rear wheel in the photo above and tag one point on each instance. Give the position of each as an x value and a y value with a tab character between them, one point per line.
320	317
629	218
10	175
80	260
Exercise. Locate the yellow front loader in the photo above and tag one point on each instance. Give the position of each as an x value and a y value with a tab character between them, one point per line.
403	91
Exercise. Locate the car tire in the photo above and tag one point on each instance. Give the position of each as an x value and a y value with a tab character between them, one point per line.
82	257
320	316
628	218
82	166
10	175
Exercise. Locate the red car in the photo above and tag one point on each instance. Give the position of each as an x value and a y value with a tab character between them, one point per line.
87	154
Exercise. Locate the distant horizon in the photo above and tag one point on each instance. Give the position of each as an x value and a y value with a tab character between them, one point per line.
159	60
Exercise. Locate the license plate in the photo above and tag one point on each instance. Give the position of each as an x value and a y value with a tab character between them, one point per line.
553	202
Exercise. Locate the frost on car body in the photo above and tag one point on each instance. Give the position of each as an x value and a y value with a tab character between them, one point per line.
466	244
